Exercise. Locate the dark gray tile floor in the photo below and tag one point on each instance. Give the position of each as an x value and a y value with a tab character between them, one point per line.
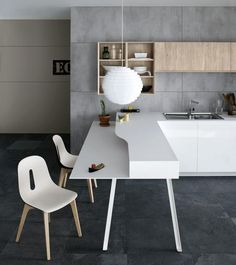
141	229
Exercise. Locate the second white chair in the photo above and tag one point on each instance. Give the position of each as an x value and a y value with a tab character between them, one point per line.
67	162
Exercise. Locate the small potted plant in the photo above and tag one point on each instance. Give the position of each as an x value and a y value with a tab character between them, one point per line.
104	117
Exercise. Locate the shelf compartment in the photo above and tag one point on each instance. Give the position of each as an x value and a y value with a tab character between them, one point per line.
109	45
141	47
148	64
102	71
148	82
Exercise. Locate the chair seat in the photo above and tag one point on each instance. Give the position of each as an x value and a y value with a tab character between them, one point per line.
69	160
51	199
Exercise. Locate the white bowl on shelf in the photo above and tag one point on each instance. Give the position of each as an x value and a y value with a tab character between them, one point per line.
110	67
139	55
140	69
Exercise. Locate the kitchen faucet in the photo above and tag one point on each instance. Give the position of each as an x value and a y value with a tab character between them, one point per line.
191	109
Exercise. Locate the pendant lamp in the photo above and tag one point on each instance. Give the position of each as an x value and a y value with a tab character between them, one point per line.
121	85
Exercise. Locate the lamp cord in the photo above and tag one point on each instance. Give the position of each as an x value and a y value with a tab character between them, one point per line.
122	19
122	30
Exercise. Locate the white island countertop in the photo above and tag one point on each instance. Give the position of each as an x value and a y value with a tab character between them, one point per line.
149	146
149	151
135	149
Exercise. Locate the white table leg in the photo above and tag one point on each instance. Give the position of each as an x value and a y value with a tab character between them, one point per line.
174	215
109	214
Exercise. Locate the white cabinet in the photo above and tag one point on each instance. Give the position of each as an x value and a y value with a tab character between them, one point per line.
203	147
217	146
182	137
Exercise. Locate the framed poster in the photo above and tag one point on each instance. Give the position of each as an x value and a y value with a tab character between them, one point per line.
61	67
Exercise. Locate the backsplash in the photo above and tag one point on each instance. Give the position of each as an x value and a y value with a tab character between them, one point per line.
173	91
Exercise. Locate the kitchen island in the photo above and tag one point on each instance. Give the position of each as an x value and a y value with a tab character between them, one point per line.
134	150
202	147
151	147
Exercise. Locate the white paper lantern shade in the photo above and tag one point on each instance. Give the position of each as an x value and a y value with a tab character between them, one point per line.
122	85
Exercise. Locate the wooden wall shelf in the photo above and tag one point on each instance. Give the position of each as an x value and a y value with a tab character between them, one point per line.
129	48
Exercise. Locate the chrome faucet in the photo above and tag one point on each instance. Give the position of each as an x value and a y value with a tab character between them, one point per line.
191	109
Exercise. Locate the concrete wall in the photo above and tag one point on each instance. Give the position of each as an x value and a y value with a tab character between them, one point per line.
173	91
32	100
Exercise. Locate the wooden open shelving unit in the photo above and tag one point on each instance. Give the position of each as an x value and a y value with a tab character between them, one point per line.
128	60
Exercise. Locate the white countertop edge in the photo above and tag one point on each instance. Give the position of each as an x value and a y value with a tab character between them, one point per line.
145	139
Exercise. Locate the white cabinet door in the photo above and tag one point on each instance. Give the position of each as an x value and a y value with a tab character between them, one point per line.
182	137
217	146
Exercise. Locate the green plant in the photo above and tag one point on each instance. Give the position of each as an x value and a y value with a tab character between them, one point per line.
103	107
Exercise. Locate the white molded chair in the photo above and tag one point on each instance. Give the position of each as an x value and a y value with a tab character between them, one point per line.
38	191
67	161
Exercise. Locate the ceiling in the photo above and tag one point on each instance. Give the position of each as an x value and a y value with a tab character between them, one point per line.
60	9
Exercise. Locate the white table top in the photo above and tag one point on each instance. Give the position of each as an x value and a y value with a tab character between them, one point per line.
145	138
102	146
144	154
150	155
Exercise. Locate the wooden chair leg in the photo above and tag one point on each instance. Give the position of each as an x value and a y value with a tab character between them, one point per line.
76	217
65	179
22	221
95	183
47	239
61	178
90	190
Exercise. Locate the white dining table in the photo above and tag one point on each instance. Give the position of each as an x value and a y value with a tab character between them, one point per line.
136	149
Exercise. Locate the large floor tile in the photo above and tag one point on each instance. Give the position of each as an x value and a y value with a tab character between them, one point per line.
227	201
160	258
150	235
192	184
222	185
206	234
199	204
146	202
99	259
7	230
216	259
93	234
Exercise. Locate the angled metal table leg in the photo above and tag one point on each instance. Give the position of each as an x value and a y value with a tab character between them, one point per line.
174	215
109	214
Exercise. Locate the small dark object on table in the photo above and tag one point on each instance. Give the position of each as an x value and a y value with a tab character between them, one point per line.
95	167
130	110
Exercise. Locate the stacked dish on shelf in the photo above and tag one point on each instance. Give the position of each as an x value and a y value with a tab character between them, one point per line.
142	70
140	55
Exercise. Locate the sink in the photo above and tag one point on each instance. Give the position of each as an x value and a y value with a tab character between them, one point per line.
207	116
176	115
193	116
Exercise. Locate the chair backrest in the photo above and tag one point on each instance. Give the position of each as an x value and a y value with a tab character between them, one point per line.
33	177
60	148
